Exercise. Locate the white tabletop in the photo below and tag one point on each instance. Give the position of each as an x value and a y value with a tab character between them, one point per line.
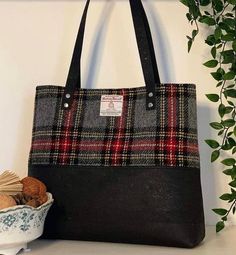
214	244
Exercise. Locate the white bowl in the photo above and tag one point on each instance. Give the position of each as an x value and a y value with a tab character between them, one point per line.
21	224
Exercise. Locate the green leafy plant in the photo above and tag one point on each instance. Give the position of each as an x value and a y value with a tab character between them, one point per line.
219	19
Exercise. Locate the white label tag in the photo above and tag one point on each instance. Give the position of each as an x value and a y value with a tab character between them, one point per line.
111	105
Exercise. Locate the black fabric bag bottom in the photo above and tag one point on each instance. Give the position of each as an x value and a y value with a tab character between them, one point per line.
140	205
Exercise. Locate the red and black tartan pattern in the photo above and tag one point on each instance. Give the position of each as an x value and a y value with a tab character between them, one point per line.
166	136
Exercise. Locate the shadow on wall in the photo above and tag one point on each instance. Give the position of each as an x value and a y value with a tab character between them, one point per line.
208	173
93	65
161	45
23	142
162	49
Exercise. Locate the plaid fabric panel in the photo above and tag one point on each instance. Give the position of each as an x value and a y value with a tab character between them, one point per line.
166	136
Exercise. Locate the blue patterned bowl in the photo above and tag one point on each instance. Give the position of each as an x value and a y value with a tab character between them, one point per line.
21	224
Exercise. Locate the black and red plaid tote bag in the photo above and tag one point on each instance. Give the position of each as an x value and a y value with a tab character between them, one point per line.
122	164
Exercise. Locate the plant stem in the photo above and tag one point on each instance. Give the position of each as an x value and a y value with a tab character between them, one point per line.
225	135
220	60
231	207
221	92
195	21
221	14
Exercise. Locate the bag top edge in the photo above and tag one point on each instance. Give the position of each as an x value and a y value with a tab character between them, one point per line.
131	89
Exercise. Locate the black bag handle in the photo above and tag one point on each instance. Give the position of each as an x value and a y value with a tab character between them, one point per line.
146	52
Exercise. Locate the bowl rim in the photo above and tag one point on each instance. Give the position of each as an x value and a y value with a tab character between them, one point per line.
19	207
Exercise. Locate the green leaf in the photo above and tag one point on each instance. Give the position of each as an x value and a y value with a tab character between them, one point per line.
185	2
227	59
235	131
221	132
207	20
226	196
215	155
204	2
224	26
228	37
194	9
210	40
189	17
228	56
218	33
232	142
233	175
227	52
230	86
230	93
234	45
211	63
233	2
226	146
228	123
213	97
221	71
234	150
221	110
219	226
230	22
228	109
224	218
233	191
229	76
228	14
233	114
233	183
216	125
218	5
190	43
230	103
194	33
228	171
217	76
212	143
220	211
213	52
228	161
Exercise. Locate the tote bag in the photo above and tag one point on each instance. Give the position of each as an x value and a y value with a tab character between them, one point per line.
122	164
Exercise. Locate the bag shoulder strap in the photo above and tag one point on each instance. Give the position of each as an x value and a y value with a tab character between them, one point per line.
146	52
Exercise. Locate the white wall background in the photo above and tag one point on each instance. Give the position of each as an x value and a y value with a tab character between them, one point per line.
36	42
